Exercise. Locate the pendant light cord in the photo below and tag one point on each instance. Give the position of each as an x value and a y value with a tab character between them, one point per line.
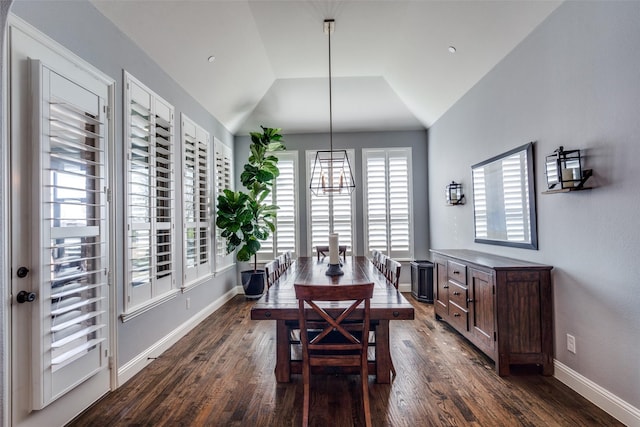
330	98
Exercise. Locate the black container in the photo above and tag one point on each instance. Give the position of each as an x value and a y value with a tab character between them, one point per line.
422	280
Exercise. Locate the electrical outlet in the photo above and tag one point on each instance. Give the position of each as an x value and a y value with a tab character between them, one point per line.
571	343
188	303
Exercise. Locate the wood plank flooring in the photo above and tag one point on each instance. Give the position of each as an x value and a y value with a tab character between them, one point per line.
221	374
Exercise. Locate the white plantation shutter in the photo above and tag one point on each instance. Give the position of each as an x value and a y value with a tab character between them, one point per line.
388	212
480	203
196	196
516	201
224	176
150	194
71	185
327	212
284	193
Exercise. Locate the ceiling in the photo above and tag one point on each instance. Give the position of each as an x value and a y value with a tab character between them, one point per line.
391	65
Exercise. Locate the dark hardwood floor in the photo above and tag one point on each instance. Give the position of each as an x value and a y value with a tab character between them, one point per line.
221	374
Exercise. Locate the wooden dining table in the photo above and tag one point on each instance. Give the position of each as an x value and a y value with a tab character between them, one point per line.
279	303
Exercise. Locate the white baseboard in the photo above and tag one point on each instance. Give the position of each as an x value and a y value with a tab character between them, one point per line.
404	287
604	399
128	370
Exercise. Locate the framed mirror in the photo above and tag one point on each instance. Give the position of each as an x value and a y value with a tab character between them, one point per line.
504	206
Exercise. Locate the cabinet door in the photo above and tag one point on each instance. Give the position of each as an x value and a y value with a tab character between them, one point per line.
482	310
442	289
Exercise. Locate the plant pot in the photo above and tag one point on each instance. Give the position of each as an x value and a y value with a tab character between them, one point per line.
253	283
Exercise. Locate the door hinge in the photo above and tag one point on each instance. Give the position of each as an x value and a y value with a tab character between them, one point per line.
110	362
107	111
108	192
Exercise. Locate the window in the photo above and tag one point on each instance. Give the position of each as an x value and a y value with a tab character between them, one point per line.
224	176
149	129
387	201
335	212
196	190
284	193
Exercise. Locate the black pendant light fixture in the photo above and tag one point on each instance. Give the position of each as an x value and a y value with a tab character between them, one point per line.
331	173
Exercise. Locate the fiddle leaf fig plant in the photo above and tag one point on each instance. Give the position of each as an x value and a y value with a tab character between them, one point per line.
244	217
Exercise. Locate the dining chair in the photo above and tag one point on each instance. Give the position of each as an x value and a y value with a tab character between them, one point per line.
393	272
334	337
374	257
270	273
383	264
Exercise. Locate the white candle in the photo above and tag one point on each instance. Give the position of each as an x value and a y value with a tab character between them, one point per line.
334	256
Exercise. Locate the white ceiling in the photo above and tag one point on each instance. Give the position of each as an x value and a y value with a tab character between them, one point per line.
390	61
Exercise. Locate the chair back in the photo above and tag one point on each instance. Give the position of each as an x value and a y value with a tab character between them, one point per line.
383	264
270	271
324	329
393	272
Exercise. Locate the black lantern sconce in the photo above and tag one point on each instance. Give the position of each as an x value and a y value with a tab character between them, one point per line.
454	194
565	171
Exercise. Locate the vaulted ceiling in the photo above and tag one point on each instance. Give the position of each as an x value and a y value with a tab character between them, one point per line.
391	65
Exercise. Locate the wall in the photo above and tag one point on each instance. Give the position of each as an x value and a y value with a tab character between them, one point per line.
417	140
79	27
572	82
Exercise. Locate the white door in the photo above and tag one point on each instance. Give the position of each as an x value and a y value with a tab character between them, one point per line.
59	246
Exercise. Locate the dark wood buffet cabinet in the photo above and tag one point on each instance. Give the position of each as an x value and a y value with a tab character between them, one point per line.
502	305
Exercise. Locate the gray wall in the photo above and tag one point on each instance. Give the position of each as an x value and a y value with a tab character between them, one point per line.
417	140
573	82
79	27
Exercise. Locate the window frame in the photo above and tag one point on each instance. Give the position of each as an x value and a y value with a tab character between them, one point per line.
406	152
135	304
291	155
222	261
310	156
201	271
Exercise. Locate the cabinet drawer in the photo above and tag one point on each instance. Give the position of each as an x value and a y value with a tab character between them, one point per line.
458	317
457	272
457	294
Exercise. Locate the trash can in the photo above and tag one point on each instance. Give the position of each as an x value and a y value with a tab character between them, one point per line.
422	280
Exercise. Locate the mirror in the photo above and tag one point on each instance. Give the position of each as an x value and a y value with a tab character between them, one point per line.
504	199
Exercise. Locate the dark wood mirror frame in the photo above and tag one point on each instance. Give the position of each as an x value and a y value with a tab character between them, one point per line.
504	202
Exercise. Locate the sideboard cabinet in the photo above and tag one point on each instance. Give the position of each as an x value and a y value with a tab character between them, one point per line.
502	305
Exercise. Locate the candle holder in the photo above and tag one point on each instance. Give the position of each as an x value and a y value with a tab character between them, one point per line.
334	270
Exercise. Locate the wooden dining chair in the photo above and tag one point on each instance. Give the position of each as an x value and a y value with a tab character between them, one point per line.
334	337
270	273
383	264
393	272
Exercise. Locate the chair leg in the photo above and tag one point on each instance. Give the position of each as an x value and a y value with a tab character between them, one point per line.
306	377
365	395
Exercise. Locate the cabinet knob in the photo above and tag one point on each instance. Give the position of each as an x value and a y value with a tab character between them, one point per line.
456	293
456	314
456	272
445	287
469	300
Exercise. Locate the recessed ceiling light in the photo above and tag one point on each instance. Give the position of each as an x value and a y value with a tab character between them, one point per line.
452	49
211	58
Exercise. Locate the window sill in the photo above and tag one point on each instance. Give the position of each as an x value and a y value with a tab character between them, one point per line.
224	269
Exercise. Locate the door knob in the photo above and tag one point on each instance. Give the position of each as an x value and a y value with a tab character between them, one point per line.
24	296
22	272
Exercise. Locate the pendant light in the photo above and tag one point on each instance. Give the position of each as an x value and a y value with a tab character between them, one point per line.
331	173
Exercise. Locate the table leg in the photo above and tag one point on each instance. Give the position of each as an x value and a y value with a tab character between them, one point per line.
283	353
383	353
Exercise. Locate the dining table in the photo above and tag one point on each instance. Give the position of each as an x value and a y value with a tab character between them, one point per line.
279	303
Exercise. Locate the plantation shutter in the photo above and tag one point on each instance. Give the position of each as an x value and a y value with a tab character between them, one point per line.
284	193
480	203
71	184
514	176
196	197
224	176
150	134
388	217
328	212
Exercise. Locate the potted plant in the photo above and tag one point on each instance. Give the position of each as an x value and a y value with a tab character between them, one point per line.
244	217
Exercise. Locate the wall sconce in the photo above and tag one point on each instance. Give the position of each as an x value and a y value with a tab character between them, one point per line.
454	194
565	171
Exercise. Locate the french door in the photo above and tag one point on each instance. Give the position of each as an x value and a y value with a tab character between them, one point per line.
59	246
